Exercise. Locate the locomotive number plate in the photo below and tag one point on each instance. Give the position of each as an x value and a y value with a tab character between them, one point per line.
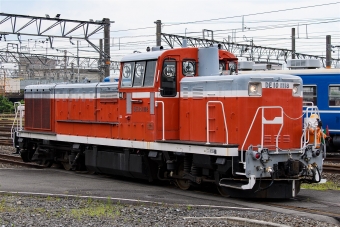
276	85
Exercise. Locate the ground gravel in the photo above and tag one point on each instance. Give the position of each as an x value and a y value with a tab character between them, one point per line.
17	210
29	211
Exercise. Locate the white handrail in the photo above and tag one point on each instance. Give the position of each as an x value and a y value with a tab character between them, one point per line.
305	136
225	121
277	120
162	116
19	110
305	102
17	122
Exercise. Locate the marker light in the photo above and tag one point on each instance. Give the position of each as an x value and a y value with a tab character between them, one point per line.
256	155
296	89
254	89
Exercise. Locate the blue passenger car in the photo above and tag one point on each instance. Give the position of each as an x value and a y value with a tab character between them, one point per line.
322	87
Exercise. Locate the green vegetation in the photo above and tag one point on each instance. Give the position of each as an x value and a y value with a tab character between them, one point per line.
329	185
83	209
95	209
6	106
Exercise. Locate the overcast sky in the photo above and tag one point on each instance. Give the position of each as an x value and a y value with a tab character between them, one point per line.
265	26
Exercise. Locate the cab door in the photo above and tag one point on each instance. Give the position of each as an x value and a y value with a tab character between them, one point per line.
167	100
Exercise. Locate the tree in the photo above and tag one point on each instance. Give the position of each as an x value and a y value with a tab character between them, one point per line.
6	106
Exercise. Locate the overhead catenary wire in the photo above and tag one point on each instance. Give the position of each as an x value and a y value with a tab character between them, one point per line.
131	41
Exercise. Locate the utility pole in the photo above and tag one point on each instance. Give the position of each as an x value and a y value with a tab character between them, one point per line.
158	32
101	49
101	60
328	52
106	48
293	43
252	49
78	58
72	71
65	56
4	83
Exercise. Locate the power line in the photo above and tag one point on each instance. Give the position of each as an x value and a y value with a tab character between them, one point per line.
222	18
253	14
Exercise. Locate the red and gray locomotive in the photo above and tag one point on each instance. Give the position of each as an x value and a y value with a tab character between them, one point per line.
181	115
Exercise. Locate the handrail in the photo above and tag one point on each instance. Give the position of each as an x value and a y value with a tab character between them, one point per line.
305	102
276	120
162	117
305	136
225	121
17	122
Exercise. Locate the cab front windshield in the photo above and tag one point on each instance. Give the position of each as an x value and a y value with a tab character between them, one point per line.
138	74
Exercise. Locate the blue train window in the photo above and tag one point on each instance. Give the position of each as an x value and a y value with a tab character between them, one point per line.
334	95
309	95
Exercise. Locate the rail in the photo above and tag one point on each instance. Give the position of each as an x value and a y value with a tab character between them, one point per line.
276	120
17	160
163	137
331	168
224	118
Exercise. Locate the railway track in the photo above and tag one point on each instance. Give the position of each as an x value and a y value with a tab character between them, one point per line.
6	122
331	168
16	160
333	159
308	210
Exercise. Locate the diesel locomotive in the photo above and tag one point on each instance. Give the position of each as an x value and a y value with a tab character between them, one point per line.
180	115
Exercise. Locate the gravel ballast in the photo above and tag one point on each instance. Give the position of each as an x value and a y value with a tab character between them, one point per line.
18	210
25	210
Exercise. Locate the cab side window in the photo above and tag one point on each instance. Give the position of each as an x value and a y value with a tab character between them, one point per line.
169	79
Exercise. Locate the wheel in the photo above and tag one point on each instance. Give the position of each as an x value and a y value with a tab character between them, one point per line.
67	166
223	191
183	184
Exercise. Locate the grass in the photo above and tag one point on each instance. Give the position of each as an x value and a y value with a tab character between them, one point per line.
89	208
329	185
99	210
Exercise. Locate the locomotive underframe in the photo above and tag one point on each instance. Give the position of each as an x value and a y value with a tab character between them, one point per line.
276	175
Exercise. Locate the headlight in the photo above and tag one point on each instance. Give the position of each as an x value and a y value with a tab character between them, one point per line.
254	89
296	89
